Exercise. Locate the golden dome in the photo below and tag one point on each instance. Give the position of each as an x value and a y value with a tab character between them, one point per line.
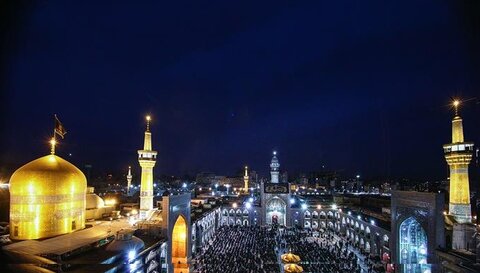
292	268
47	198
94	201
290	258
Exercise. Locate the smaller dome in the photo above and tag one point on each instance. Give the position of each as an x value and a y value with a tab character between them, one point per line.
125	242
94	201
292	268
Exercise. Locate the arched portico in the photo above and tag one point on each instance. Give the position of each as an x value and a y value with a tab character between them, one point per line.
179	244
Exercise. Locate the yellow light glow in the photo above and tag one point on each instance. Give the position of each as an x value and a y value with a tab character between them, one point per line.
110	202
148	117
319	206
456	103
234	205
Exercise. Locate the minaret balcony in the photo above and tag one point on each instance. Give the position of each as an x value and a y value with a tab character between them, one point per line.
458	147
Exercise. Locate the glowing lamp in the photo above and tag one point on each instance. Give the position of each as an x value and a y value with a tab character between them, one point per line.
248	205
304	206
131	254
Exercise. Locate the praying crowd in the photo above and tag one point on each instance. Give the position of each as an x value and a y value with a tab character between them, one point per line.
319	254
254	249
238	249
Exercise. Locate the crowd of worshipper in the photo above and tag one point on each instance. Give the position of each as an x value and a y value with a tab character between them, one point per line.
319	254
238	249
372	262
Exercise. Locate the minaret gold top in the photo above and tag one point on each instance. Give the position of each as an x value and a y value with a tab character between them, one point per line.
148	118
457	124
147	144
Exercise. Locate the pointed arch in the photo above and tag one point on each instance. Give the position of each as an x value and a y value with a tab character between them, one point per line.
413	242
179	242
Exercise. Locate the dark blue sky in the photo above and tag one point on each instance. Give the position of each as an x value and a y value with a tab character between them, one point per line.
361	86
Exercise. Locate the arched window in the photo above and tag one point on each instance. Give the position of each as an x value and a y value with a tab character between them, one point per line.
245	222
367	247
315	224
225	213
307	214
323	215
412	242
315	215
307	224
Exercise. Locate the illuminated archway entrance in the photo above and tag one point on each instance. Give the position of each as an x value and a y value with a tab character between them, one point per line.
412	246
179	245
276	209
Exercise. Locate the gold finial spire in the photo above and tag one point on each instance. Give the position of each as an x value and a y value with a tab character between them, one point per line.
456	104
53	142
148	118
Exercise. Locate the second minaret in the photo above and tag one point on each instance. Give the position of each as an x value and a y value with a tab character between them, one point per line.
147	158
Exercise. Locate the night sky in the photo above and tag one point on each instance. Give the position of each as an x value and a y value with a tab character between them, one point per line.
358	86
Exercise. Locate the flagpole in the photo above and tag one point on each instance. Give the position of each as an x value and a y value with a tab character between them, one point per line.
54	140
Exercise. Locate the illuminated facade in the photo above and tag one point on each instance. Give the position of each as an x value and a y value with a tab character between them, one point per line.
458	155
47	198
245	180
275	198
147	159
418	229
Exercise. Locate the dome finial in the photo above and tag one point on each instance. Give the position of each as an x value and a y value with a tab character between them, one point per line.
53	142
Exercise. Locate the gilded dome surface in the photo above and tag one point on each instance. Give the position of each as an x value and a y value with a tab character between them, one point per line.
47	198
94	201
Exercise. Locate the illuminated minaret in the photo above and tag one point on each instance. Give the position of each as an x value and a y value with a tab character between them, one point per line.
274	168
245	180
146	158
458	155
129	179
